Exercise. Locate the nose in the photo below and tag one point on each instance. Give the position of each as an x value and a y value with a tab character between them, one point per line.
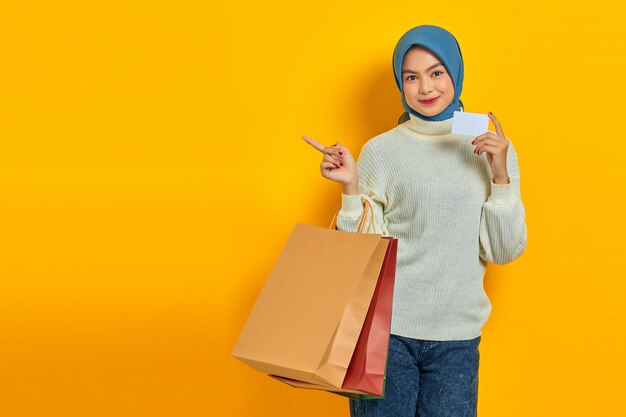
425	86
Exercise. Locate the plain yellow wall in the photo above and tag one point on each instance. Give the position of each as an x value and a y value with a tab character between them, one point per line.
151	168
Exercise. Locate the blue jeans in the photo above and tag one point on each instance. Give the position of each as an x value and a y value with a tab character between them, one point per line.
426	379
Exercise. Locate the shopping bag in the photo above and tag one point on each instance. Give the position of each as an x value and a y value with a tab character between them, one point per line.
307	321
366	372
365	376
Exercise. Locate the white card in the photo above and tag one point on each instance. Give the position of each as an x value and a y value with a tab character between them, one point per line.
465	123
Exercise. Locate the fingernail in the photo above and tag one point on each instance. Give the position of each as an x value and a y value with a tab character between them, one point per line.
491	113
341	164
340	153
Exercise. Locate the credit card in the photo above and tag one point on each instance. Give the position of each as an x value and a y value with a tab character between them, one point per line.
465	123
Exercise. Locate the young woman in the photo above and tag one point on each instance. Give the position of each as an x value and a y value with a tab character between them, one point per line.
453	202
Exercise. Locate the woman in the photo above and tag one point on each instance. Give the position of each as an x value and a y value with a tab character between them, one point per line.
453	202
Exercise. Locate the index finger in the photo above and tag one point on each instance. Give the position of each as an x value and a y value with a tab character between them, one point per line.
314	143
496	123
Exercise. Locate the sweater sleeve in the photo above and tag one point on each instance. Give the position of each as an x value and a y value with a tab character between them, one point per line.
503	218
371	189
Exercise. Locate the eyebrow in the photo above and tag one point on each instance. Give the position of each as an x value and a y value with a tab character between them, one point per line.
427	69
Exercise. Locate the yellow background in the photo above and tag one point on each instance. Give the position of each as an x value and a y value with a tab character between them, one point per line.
151	168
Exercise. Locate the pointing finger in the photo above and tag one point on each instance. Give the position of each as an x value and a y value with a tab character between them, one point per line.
496	123
314	143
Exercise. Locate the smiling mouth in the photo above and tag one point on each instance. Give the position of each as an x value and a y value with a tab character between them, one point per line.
432	100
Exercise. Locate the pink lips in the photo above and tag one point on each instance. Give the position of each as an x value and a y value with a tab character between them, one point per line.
431	101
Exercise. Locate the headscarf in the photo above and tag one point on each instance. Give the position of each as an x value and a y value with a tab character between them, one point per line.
443	45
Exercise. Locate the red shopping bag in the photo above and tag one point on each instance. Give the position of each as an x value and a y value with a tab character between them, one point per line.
366	372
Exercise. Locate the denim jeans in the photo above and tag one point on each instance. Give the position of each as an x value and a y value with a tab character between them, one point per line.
426	379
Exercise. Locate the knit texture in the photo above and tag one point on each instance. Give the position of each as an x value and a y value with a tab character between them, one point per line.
431	192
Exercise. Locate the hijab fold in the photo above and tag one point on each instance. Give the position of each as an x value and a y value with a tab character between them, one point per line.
443	45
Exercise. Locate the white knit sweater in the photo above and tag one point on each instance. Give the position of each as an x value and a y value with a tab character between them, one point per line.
431	192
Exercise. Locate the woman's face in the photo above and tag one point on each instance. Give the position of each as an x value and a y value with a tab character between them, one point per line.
424	77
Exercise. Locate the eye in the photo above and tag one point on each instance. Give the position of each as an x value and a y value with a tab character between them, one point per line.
440	72
409	77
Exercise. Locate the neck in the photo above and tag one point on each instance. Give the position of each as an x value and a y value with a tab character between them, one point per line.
425	127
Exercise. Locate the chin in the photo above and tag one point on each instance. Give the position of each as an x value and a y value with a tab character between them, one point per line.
430	112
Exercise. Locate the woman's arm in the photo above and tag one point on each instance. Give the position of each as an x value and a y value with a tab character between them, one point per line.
503	230
349	217
351	211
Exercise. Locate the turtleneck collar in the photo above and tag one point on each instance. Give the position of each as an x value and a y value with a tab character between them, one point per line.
430	128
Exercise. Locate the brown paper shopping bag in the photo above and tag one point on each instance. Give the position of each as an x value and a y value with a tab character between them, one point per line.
365	377
306	321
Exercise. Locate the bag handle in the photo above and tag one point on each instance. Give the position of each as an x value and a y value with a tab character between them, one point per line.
366	206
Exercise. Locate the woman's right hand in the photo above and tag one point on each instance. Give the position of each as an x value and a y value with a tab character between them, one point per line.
338	164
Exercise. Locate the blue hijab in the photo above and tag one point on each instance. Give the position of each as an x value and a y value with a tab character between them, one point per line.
445	46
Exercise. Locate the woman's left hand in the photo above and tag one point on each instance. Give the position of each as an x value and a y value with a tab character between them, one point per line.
496	147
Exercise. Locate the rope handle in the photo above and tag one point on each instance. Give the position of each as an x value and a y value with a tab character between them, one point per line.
366	206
